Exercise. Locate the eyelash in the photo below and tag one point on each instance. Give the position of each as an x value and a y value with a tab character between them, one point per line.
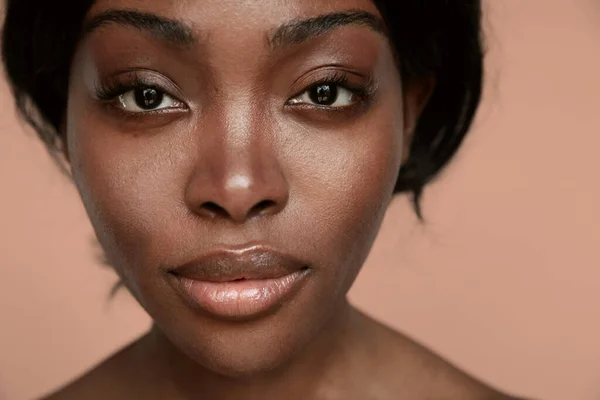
340	78
115	87
110	90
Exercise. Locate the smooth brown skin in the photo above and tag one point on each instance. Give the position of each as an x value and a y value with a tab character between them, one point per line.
147	183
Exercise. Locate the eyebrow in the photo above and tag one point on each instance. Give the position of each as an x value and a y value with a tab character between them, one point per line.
169	30
180	34
299	31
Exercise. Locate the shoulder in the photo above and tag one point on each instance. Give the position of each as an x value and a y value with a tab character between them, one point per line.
415	371
104	381
94	384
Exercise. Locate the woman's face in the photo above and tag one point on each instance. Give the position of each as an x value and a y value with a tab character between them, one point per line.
206	145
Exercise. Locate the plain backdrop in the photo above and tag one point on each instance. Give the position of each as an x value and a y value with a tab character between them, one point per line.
503	279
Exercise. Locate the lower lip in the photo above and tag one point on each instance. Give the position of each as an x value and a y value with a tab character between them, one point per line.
241	299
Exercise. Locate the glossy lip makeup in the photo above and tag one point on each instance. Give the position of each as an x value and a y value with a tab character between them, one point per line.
240	284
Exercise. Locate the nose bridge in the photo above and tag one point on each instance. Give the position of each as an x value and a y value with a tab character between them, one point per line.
237	175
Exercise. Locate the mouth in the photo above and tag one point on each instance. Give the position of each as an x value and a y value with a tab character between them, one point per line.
240	284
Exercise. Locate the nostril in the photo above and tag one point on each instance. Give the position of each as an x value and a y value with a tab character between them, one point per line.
263	206
214	208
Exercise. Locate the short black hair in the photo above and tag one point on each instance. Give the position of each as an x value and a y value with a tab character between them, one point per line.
440	38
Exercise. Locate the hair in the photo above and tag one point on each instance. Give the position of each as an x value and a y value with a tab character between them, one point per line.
439	38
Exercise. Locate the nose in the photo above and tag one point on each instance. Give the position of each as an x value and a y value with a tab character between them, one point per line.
236	180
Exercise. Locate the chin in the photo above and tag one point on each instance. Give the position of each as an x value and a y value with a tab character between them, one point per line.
248	348
242	350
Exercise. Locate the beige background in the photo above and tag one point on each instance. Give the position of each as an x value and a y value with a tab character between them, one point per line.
504	279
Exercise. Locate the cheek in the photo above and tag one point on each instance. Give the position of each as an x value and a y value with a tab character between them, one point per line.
352	177
130	188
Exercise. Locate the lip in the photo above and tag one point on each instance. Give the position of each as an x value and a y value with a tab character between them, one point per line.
240	283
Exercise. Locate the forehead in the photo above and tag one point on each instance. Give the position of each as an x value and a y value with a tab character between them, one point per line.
235	15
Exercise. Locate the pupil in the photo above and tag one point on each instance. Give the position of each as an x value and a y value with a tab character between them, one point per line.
148	98
324	95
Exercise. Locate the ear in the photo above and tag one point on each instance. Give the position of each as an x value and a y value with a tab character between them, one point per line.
417	92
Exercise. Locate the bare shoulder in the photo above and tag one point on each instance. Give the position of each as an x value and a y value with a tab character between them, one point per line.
418	373
103	381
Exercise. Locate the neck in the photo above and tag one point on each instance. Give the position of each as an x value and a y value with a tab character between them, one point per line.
324	366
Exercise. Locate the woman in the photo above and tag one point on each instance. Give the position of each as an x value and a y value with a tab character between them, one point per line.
236	159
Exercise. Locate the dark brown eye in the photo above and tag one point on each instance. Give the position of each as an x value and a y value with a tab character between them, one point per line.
145	99
324	94
327	95
148	99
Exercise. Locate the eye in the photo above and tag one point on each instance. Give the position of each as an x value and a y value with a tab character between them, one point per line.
327	95
146	99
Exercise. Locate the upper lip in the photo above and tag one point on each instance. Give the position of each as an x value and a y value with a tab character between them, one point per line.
230	264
